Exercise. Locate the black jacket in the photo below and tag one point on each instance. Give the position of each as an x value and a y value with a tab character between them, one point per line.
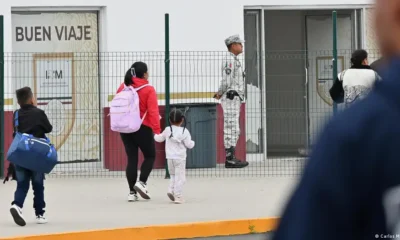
33	120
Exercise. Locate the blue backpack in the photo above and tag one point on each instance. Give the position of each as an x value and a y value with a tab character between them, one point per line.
32	153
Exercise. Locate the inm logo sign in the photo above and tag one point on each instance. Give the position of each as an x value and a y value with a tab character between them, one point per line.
54	74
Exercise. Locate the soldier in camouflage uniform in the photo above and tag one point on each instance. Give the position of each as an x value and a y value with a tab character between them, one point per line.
231	94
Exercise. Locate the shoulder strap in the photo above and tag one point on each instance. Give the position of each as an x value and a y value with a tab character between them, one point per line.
16	121
341	75
377	77
144	116
143	86
137	89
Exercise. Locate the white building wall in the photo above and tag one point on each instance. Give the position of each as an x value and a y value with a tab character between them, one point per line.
370	35
139	25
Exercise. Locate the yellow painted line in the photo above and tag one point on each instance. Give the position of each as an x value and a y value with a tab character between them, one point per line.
160	96
8	101
183	95
163	232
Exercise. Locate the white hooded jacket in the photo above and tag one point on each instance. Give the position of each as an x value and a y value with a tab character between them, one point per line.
175	147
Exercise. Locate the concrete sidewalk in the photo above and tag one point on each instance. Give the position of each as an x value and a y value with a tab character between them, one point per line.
90	204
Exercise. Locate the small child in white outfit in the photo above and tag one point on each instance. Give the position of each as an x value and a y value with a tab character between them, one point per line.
177	139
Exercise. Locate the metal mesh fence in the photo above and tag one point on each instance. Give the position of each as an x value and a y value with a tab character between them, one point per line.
287	103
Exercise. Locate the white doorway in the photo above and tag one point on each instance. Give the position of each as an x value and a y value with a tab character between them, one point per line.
288	44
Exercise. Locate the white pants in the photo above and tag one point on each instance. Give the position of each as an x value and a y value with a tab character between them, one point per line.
177	171
231	110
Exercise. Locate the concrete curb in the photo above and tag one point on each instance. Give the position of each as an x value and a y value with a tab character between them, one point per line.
164	232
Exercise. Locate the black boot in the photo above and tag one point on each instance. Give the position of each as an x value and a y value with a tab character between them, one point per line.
231	161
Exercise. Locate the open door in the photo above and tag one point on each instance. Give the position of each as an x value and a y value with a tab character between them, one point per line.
252	52
284	82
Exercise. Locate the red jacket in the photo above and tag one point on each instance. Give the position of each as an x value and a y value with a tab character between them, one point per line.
148	102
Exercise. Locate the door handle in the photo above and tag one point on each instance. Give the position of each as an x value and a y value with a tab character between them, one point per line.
306	75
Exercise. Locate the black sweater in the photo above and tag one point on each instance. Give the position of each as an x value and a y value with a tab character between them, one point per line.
33	120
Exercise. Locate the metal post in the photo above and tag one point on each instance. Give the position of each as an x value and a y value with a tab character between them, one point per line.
167	76
2	85
335	57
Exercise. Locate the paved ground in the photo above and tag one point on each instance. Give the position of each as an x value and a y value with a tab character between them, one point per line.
78	204
241	237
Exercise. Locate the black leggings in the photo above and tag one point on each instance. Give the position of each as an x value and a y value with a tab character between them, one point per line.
143	139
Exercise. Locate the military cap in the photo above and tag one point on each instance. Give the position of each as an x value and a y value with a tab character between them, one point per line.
233	39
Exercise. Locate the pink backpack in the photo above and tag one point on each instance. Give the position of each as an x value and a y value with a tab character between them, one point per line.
125	111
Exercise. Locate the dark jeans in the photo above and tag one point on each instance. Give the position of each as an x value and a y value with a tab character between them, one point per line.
24	178
143	140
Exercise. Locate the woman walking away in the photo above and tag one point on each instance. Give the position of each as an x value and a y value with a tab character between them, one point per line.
355	83
137	76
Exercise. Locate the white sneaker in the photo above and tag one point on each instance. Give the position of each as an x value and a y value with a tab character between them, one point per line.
41	219
179	200
132	197
171	196
16	213
141	188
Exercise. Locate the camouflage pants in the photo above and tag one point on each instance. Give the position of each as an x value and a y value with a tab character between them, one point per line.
231	121
177	171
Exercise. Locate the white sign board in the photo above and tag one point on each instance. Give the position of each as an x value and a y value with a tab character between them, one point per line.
56	54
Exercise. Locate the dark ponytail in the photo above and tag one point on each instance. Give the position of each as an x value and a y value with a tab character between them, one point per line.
128	80
175	117
138	69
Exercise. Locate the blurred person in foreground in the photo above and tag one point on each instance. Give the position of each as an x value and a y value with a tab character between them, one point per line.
351	185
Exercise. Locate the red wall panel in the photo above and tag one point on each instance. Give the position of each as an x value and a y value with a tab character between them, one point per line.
114	152
8	127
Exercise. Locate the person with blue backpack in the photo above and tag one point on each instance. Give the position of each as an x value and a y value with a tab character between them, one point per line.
31	120
135	115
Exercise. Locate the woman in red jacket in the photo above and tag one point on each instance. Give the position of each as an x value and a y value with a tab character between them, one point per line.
137	76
